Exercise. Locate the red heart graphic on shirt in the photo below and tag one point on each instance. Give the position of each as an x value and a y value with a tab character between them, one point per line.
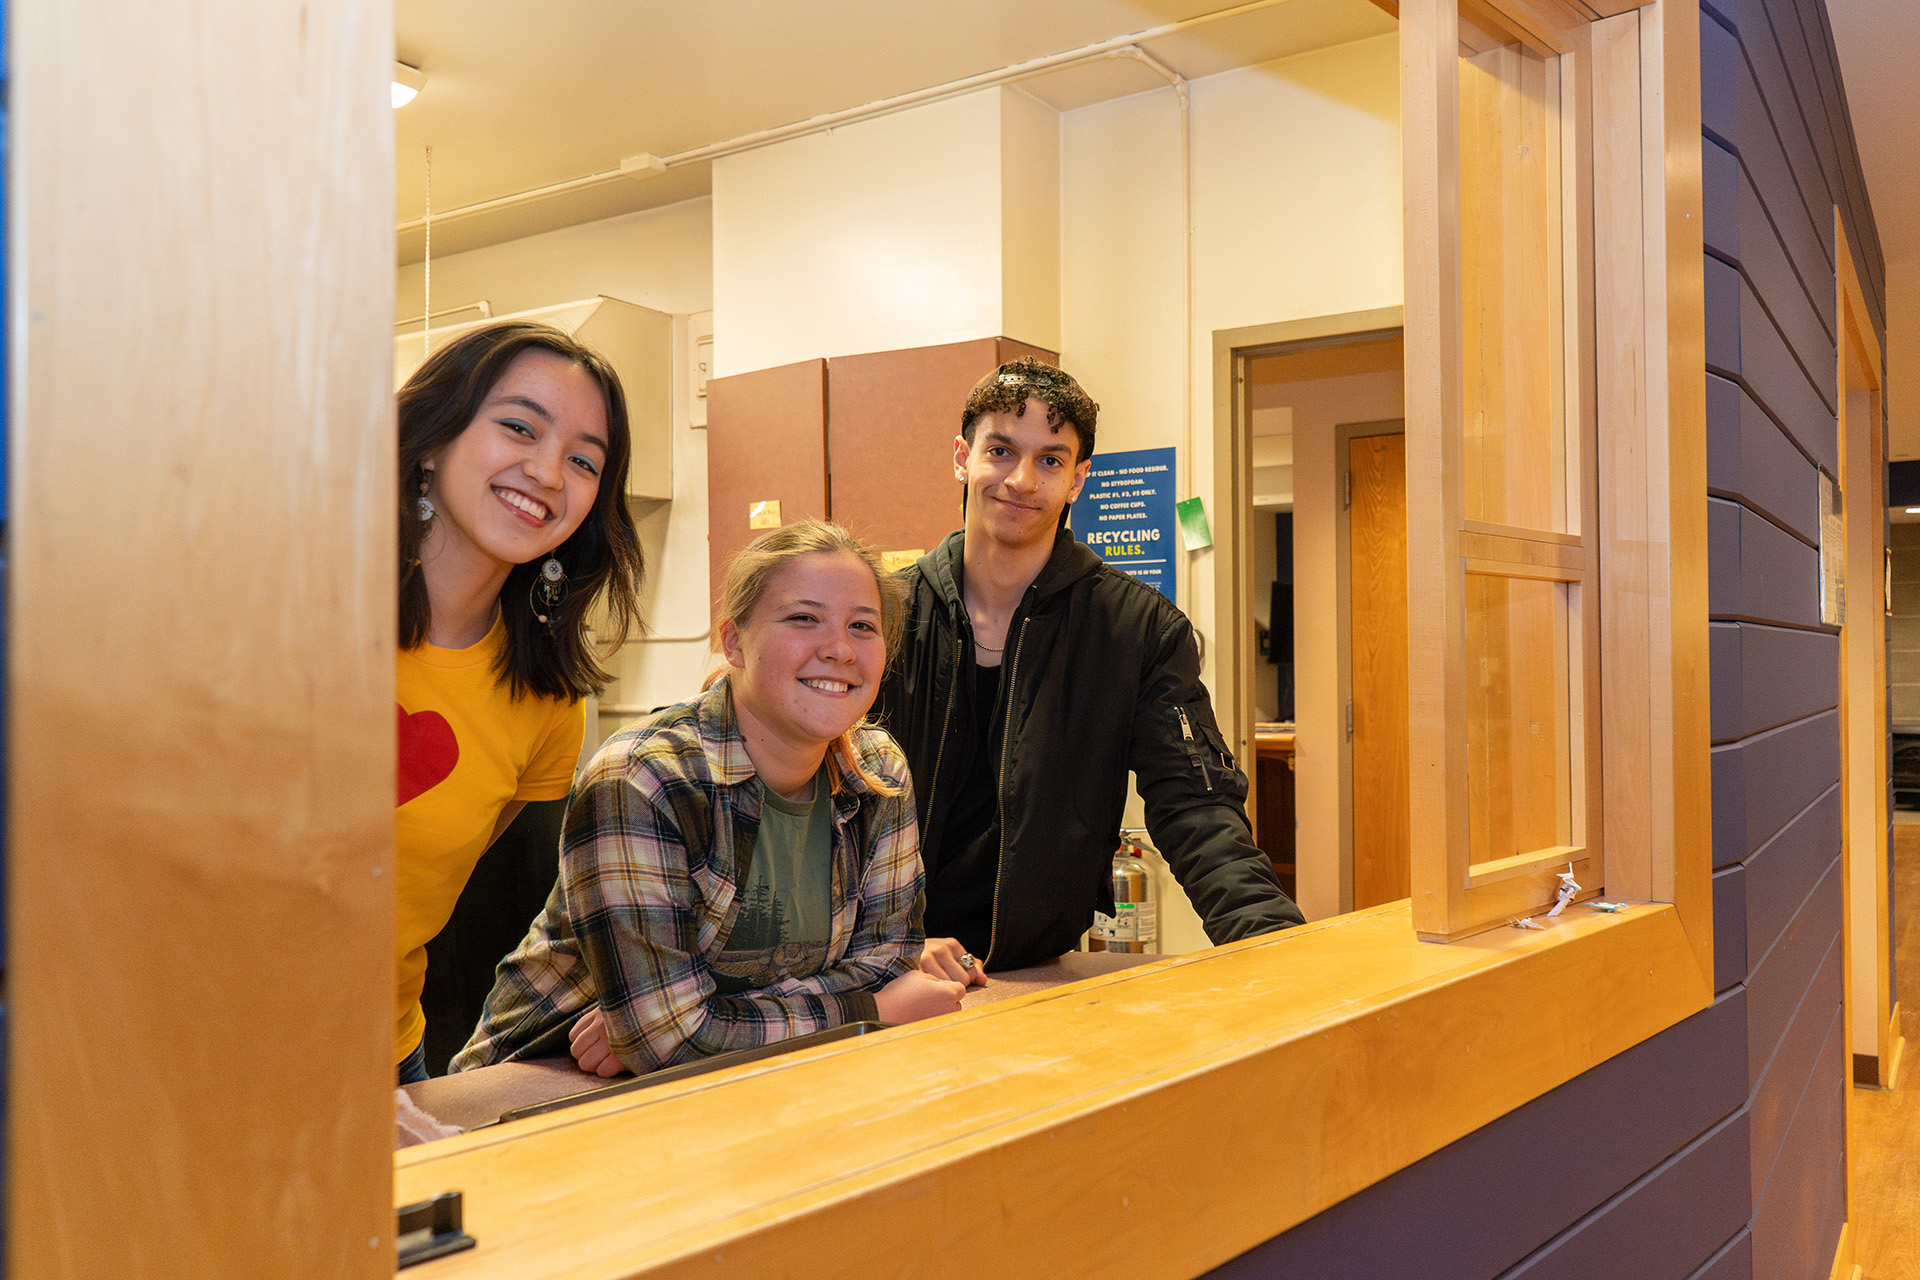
427	752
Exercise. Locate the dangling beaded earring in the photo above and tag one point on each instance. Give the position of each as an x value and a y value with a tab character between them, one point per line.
549	589
423	505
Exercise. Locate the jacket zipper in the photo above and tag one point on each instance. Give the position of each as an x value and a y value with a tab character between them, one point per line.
946	725
1193	749
1006	750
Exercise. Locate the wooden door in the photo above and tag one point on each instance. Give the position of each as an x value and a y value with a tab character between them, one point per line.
1377	542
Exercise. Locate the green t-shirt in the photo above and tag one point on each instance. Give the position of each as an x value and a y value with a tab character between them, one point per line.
785	915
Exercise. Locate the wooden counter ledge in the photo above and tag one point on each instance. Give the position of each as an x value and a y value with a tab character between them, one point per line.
1155	1121
469	1099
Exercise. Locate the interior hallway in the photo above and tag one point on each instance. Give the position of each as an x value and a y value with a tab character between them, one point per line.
1885	1125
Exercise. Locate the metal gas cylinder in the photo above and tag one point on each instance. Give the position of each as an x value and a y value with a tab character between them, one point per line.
1134	925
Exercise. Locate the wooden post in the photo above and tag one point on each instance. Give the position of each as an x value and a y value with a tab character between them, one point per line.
201	628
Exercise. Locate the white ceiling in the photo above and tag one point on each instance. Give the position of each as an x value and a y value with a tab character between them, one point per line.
519	96
1879	42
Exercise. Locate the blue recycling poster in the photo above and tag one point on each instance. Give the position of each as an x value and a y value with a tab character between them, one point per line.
1125	514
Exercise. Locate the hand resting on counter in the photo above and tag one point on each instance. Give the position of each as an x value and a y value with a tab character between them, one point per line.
946	958
588	1040
908	998
913	996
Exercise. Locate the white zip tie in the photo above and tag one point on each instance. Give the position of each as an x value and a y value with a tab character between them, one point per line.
1568	887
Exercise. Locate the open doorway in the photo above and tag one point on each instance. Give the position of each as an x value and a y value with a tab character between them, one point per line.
1303	391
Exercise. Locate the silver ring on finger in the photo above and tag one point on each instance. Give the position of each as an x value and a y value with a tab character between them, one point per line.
967	961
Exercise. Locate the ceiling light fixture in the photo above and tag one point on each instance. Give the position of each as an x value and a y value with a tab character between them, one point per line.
407	81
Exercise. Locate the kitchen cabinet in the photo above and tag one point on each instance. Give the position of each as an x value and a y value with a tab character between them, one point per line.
892	417
866	440
766	455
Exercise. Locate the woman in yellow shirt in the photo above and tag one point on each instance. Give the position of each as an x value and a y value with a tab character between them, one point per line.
513	521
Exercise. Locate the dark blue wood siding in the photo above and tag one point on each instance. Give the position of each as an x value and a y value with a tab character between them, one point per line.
1713	1151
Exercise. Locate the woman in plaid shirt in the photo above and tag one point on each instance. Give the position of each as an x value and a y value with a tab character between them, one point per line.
743	866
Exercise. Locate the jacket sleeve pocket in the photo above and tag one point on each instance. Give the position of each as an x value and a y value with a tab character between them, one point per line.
1223	777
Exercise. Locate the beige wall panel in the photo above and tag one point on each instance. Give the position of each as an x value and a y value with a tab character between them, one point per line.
201	641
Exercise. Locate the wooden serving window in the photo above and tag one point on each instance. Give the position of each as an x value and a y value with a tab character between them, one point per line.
251	854
1591	327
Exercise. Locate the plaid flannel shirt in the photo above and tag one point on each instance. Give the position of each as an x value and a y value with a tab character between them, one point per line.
659	835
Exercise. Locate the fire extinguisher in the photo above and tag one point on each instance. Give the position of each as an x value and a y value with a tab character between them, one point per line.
1133	926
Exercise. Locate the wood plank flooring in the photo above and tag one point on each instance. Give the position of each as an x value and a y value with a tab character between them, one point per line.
1885	1126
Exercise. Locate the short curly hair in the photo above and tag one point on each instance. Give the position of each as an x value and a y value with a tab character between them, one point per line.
1006	389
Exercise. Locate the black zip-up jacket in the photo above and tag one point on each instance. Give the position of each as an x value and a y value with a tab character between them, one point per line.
1100	676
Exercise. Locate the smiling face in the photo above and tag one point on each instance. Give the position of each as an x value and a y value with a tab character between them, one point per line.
806	663
523	475
1020	475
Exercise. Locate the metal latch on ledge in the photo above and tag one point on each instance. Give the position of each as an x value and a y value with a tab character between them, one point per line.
431	1229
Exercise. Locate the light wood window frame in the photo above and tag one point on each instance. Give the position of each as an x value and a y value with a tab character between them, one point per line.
1868	1011
1633	486
1456	892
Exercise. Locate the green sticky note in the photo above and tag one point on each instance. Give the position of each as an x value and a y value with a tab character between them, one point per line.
1194	533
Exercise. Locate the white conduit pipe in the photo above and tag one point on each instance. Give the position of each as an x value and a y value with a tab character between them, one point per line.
1118	46
484	307
1184	97
701	637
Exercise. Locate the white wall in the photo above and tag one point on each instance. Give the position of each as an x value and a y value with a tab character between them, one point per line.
659	258
1296	213
1123	272
1903	359
1322	799
1029	220
900	231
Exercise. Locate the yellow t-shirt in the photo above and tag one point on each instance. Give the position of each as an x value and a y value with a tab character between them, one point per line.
466	751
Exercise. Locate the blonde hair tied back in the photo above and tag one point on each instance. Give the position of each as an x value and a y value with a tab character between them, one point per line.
749	574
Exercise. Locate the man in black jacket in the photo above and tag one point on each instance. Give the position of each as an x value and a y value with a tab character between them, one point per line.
1032	678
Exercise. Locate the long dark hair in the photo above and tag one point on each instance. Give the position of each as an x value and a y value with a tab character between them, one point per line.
439	402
